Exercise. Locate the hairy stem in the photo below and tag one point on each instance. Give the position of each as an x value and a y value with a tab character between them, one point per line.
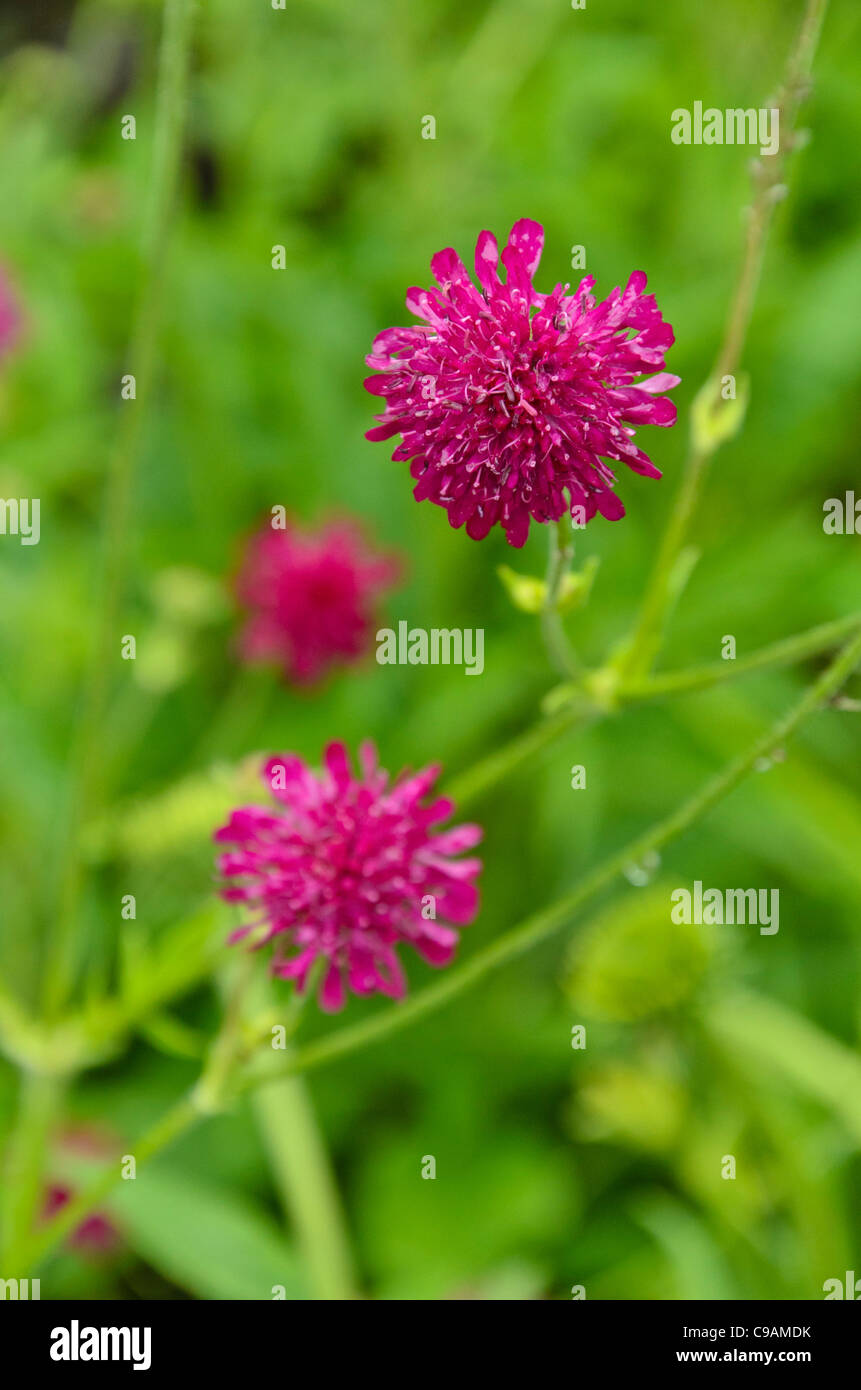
768	188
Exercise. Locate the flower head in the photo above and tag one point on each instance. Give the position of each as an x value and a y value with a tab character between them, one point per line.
347	868
506	399
310	597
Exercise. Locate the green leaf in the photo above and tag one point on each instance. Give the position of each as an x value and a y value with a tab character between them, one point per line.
681	572
177	963
530	594
525	591
761	1030
700	1267
715	420
172	1037
204	1238
577	587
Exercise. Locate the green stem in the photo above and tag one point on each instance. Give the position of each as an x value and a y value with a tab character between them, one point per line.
769	173
213	1086
86	762
24	1185
483	775
783	653
306	1184
655	609
552	630
296	1149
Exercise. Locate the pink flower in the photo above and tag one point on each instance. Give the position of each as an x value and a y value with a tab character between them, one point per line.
310	597
507	399
96	1234
347	868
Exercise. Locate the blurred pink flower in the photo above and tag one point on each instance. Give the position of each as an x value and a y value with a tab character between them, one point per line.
310	597
347	868
507	399
96	1234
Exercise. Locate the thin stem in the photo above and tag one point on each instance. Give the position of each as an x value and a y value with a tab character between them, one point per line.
783	653
213	1085
769	187
478	779
483	775
561	553
306	1183
768	174
87	774
23	1188
530	933
657	602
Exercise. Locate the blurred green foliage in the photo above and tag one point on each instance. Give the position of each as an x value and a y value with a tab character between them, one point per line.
555	1167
